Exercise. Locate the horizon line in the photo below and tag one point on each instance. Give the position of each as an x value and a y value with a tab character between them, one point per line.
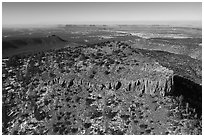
109	22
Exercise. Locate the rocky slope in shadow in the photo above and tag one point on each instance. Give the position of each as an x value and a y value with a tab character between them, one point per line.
16	45
108	88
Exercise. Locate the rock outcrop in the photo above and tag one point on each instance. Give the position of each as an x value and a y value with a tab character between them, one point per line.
106	89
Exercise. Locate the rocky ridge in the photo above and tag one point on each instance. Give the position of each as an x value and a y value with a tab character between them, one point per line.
108	88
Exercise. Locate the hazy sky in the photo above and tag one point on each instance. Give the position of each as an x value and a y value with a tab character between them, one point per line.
79	13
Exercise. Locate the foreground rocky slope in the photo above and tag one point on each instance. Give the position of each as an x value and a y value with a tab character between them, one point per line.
108	88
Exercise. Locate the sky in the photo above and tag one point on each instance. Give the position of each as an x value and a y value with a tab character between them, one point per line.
98	13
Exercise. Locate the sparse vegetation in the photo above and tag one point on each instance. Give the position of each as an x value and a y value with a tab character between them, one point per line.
102	88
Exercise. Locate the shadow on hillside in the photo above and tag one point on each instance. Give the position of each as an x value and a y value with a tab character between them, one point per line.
192	92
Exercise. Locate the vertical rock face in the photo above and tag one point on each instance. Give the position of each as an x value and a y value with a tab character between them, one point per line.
143	82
